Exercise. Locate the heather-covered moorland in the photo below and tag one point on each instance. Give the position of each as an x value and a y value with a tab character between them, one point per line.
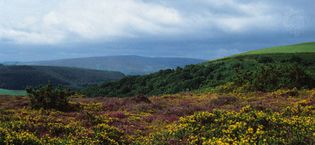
157	72
278	117
245	99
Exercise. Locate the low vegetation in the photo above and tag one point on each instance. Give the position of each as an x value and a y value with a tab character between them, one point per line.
279	117
248	126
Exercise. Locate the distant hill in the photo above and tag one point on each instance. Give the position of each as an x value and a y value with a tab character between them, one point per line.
308	47
19	77
129	65
261	70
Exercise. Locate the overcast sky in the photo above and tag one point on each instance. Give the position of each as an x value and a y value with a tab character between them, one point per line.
41	29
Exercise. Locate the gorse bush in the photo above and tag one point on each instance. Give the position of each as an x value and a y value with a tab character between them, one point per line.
3	132
8	137
41	127
113	121
108	135
249	126
48	97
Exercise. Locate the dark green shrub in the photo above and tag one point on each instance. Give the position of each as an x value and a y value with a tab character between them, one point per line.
3	134
265	59
270	77
48	97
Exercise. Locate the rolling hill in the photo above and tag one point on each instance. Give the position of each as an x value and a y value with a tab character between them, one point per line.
129	65
19	77
262	70
308	47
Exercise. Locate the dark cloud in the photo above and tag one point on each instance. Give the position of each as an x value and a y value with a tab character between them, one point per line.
209	29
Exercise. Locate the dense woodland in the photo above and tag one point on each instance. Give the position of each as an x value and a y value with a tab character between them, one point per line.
251	72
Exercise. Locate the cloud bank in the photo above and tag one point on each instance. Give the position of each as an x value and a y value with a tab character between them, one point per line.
61	21
85	19
41	30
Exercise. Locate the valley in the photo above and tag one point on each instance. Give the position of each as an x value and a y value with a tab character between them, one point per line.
249	72
256	98
157	72
127	64
15	77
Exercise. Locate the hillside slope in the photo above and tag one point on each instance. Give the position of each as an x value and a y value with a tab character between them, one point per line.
129	65
255	72
297	48
19	77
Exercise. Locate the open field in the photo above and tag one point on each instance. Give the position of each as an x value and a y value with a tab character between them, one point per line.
12	92
183	118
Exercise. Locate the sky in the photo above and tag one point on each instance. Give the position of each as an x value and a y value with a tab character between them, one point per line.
32	30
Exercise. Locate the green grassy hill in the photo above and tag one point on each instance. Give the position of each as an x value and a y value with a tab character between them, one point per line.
253	71
297	48
19	77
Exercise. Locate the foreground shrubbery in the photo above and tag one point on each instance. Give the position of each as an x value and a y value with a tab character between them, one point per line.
43	127
279	117
292	126
103	135
48	97
295	125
